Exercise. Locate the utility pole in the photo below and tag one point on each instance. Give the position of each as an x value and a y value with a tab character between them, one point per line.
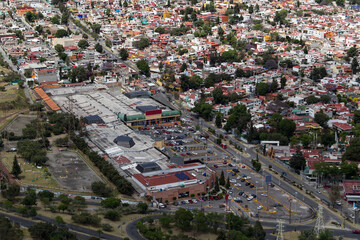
280	230
319	226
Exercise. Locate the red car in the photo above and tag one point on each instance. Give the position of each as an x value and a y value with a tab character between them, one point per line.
211	198
225	162
356	231
191	201
216	166
183	154
170	144
192	119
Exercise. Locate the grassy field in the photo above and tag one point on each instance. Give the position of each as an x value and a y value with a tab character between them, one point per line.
10	93
30	174
119	226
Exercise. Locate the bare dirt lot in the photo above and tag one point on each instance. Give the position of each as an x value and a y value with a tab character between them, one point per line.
19	123
70	171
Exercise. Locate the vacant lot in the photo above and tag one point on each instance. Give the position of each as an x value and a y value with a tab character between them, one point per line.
70	171
19	123
31	175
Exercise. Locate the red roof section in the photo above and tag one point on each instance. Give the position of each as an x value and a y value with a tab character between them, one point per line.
161	179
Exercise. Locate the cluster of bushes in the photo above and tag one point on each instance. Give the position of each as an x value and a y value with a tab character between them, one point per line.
32	151
122	185
198	221
87	219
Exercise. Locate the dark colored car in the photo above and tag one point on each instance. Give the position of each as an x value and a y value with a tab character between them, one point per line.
241	193
247	184
235	170
191	201
356	231
216	166
251	186
230	165
242	180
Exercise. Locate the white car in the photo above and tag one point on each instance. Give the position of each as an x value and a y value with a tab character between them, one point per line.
194	200
264	194
237	185
250	198
259	207
247	178
186	201
233	180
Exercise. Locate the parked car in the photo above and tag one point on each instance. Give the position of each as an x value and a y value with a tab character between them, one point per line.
259	207
190	201
356	231
233	180
250	198
216	166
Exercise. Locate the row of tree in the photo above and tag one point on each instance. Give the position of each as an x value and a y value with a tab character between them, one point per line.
122	185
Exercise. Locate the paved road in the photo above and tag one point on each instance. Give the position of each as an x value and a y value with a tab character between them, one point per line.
28	223
132	232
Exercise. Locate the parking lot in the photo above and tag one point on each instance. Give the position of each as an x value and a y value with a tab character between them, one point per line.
248	195
252	196
187	142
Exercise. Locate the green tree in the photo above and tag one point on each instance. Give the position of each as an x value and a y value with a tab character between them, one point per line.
287	127
297	161
143	207
183	67
352	151
262	88
59	48
227	184
165	221
96	28
256	164
124	54
218	95
10	191
98	47
305	140
9	231
55	19
217	187
143	66
100	189
111	202
259	232
218	120
108	43
322	119
325	99
42	231
61	33
352	52
83	44
142	43
274	85
283	82
334	194
354	65
183	219
16	170
30	198
327	139
222	179
112	215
